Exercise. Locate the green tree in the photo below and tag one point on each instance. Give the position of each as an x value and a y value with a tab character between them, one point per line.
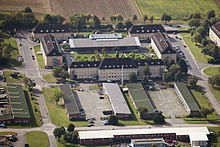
70	127
119	26
29	83
119	17
92	58
143	111
48	18
87	17
78	21
113	19
104	53
113	120
96	22
183	65
58	132
128	24
214	80
197	38
196	15
158	118
145	18
58	94
147	70
131	55
57	72
6	52
201	30
134	17
152	19
194	22
211	14
192	82
165	18
132	77
27	10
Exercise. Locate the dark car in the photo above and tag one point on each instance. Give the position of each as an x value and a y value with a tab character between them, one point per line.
90	121
90	125
48	67
3	126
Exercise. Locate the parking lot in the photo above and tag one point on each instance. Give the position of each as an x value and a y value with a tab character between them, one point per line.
92	104
167	101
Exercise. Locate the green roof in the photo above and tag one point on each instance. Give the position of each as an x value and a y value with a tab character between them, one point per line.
140	97
18	102
187	95
69	100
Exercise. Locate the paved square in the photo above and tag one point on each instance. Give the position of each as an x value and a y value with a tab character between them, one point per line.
167	101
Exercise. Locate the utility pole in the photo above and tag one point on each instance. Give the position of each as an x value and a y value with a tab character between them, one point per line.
122	76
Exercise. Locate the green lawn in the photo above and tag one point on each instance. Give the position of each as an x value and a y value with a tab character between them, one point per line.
64	144
5	133
14	53
135	120
49	78
212	71
40	58
214	140
58	113
9	79
216	92
196	50
178	9
37	139
203	102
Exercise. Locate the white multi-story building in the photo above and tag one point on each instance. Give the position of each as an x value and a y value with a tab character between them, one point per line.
115	69
214	33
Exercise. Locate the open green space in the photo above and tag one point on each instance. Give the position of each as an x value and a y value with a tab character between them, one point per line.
214	139
14	53
135	120
40	58
37	139
195	49
203	102
178	9
9	79
58	112
62	143
49	78
216	92
212	71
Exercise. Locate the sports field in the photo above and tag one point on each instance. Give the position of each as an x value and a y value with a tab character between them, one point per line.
178	9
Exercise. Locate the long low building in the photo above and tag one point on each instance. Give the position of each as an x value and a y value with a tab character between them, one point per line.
214	33
197	136
70	102
117	100
140	99
107	41
187	99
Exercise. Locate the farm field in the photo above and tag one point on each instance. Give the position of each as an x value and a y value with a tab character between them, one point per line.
38	6
101	8
177	9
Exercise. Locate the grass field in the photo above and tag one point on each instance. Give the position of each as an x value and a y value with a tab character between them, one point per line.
57	112
40	58
9	79
135	120
178	9
196	51
203	102
101	8
212	71
216	92
49	78
37	139
214	140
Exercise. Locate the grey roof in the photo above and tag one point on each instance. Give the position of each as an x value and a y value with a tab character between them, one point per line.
148	28
69	100
85	64
101	43
216	29
105	36
187	95
18	102
150	62
52	28
50	46
162	44
116	98
140	97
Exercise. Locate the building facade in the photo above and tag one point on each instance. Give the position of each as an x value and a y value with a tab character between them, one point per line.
115	69
59	31
214	33
163	48
51	51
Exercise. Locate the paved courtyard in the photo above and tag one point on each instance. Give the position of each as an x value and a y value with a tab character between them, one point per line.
167	101
92	105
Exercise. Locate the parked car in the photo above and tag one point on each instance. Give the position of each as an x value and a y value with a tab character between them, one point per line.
3	126
106	123
101	97
100	93
48	67
30	48
80	89
90	125
90	121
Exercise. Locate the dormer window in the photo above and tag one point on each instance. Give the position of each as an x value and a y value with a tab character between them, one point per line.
88	64
126	65
158	30
117	65
46	30
152	62
62	30
142	27
143	31
139	63
158	62
148	30
58	30
75	65
81	65
152	30
52	30
130	65
54	54
113	65
137	31
110	66
41	31
145	63
94	64
105	66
